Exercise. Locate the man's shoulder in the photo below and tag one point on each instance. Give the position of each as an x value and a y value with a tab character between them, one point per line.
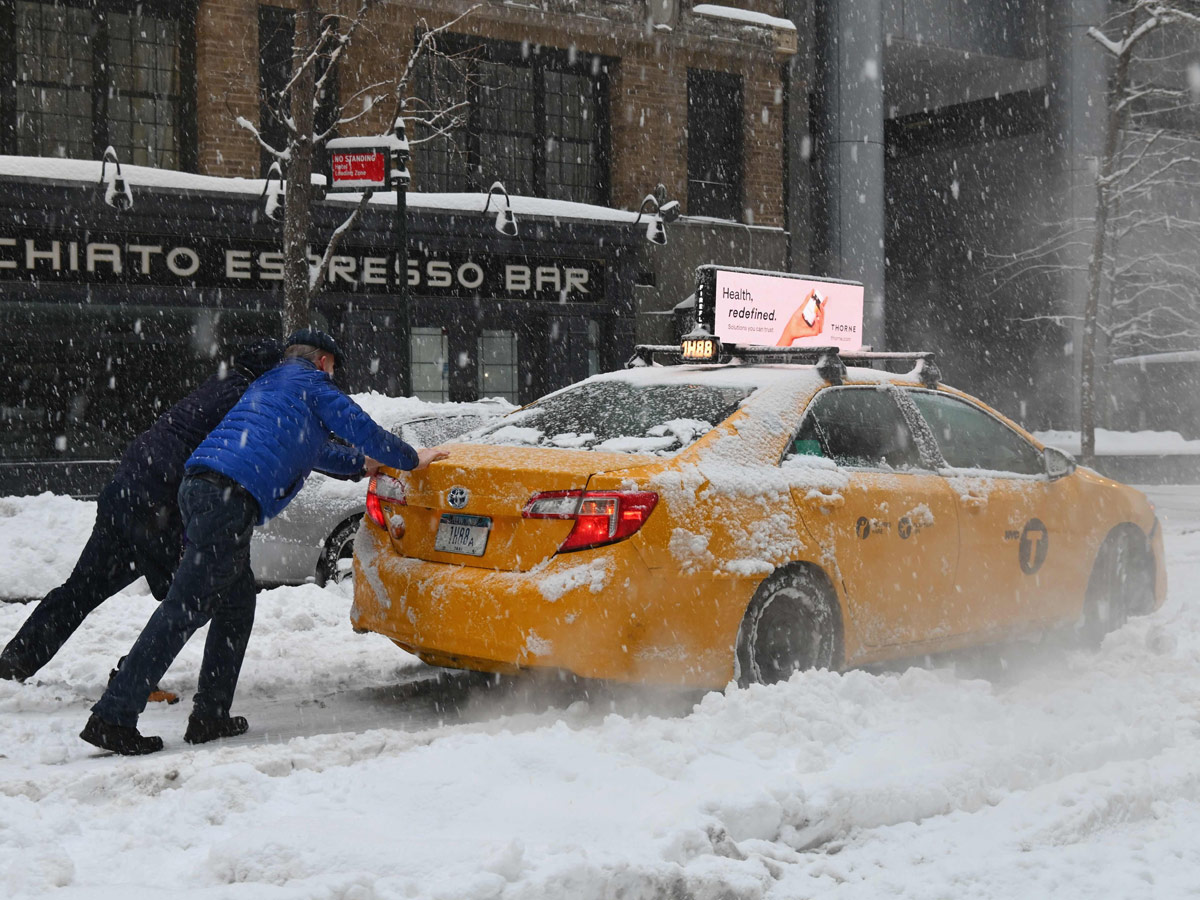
221	383
302	382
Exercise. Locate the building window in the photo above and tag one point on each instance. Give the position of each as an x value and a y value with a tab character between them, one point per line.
498	365
430	354
276	37
276	34
714	144
87	75
536	119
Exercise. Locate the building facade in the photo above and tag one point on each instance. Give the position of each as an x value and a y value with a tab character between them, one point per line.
932	150
954	151
579	109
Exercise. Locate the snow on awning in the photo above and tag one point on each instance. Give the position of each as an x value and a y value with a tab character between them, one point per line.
743	16
87	173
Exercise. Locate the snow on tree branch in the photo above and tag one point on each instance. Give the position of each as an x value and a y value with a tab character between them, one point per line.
317	272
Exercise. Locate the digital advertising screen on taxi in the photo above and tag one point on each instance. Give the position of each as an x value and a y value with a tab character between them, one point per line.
780	310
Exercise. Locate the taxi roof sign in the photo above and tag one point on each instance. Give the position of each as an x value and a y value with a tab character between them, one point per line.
779	309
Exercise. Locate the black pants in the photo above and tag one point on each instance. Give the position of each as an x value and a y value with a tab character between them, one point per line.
214	582
130	538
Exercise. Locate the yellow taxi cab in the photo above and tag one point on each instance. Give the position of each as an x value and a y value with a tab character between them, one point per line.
697	524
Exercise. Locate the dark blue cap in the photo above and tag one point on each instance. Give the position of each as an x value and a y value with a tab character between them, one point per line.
318	339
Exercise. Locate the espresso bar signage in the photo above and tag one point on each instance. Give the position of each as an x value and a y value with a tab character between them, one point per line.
148	260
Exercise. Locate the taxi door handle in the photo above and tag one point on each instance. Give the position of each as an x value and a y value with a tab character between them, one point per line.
830	501
974	502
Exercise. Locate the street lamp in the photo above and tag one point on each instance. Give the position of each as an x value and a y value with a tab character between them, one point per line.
276	195
506	222
663	211
116	193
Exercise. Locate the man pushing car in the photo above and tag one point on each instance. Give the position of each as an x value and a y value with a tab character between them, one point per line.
244	473
137	531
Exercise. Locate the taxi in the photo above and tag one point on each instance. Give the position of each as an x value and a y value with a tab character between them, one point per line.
742	520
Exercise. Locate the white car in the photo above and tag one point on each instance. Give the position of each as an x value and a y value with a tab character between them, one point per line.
312	540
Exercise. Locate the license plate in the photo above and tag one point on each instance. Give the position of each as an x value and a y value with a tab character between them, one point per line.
462	534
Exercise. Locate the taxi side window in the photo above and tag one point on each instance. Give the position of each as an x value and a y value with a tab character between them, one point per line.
857	427
969	438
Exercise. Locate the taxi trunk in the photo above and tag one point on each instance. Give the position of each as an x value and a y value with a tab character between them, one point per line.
505	508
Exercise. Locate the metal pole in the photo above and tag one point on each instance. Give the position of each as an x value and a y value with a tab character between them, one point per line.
400	270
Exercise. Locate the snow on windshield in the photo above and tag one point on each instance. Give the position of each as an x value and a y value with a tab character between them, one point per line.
618	416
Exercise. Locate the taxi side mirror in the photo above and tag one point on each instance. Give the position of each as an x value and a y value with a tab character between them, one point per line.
1059	463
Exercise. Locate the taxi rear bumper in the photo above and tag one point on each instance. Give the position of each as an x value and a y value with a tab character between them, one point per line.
597	613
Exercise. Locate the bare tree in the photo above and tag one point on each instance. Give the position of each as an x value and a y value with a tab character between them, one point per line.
323	47
1134	24
1138	255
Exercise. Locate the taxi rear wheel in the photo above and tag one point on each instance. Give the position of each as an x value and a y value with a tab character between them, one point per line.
1121	585
790	626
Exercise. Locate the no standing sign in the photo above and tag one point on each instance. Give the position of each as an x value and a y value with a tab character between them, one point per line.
358	168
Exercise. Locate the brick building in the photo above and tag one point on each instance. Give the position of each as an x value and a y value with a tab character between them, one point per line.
579	108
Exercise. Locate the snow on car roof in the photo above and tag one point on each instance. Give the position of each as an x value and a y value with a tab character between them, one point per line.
743	375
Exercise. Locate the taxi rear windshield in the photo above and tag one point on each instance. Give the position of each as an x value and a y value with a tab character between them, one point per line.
617	416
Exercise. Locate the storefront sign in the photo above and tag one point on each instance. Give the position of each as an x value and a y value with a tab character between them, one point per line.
155	260
358	169
782	311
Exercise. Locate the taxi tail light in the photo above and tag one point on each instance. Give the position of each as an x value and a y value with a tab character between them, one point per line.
601	517
382	487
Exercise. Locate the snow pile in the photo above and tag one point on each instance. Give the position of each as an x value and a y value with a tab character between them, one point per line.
40	539
1123	443
1027	772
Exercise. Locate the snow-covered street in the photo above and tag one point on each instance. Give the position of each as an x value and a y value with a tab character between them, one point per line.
1034	771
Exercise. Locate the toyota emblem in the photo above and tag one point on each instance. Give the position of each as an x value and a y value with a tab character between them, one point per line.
457	497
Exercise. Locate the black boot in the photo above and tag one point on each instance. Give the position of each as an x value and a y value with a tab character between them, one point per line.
12	669
119	738
201	730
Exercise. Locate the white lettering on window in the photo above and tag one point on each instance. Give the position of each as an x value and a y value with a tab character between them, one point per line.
183	269
374	270
576	280
470	275
270	266
342	267
32	255
144	251
101	253
237	264
548	277
438	274
516	278
8	263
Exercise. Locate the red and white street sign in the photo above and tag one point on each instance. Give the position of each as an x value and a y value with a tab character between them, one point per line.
358	169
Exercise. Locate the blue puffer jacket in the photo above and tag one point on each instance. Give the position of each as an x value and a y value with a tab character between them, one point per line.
281	430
